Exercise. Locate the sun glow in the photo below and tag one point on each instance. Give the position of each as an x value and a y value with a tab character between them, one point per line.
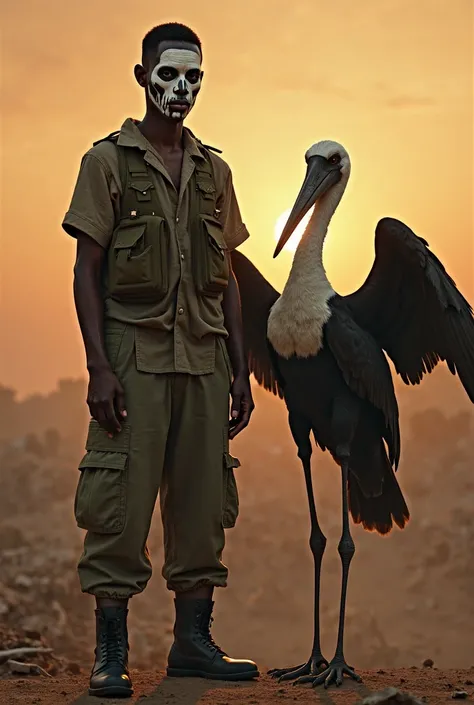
295	238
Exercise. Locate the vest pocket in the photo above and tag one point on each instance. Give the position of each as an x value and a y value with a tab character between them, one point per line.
142	190
138	260
210	258
207	193
100	501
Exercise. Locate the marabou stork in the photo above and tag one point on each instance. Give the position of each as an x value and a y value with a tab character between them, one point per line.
325	355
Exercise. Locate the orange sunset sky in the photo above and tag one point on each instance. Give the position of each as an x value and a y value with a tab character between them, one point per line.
392	80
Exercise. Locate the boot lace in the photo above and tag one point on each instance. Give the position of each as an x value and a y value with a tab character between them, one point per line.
205	636
111	643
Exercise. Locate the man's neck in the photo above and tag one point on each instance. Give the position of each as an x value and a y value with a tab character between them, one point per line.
164	134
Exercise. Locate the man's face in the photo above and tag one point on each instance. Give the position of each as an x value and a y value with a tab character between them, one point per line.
175	79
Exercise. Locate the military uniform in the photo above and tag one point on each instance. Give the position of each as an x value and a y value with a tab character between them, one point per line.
167	267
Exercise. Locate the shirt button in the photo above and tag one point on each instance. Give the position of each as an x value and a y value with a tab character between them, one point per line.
182	256
177	220
180	310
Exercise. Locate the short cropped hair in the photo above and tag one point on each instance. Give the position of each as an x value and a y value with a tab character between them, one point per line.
172	31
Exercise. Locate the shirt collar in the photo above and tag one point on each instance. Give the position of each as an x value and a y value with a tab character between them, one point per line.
130	136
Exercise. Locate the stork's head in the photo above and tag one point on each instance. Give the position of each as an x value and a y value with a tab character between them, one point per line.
328	164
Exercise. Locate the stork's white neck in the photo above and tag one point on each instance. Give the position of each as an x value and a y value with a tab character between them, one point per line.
296	321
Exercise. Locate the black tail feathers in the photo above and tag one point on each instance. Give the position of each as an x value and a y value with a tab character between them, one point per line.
379	513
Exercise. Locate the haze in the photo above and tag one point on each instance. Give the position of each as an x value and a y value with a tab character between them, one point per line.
391	80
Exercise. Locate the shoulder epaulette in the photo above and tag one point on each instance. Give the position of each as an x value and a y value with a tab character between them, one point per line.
113	137
213	149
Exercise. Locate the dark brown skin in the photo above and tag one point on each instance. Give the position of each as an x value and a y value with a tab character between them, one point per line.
105	396
242	402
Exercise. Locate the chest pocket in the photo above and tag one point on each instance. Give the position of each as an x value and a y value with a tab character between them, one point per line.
207	192
138	259
210	258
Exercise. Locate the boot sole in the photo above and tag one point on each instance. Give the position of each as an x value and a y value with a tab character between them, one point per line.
112	691
190	673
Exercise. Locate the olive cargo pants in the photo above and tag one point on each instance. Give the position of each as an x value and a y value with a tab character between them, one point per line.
174	441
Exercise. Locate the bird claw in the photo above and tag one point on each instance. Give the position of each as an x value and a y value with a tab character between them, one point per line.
334	673
306	670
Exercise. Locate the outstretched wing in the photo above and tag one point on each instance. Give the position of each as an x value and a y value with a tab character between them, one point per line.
257	297
410	304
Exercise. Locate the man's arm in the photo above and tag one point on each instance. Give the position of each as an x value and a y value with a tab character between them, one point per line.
242	402
105	396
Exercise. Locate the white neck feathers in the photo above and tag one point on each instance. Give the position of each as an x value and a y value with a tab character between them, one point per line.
296	321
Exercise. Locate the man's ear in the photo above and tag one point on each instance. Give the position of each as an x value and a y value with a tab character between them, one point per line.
140	75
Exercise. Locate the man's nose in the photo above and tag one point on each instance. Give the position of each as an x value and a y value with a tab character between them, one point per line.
181	89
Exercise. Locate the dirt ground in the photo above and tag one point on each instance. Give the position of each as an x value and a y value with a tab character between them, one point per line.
432	686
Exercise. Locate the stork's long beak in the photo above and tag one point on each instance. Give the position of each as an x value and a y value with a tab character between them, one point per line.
320	176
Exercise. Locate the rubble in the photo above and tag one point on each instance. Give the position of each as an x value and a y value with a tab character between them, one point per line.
397	584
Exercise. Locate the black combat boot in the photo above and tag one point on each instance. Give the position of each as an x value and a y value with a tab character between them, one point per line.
110	676
194	652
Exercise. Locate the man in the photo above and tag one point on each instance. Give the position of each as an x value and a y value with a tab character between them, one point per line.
155	217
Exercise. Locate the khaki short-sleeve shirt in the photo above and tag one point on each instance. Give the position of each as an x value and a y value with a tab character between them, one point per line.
180	332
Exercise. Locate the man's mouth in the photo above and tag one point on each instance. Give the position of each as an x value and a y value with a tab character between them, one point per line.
179	104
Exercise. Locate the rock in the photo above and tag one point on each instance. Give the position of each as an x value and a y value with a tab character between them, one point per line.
73	668
391	696
23	581
459	695
428	663
33	634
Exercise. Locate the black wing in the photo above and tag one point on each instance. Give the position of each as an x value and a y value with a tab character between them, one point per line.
365	369
257	297
412	307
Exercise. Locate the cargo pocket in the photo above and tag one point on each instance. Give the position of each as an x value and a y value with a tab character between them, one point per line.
230	510
100	502
210	258
138	260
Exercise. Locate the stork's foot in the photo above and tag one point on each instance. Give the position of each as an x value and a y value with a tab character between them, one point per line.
334	673
310	669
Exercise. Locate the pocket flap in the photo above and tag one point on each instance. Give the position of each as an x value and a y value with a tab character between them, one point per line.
142	186
231	462
97	439
103	459
214	229
206	186
128	237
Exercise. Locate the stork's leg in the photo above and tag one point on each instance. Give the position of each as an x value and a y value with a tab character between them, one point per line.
338	666
317	663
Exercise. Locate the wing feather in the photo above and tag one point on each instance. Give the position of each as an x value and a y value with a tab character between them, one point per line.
365	369
412	307
257	297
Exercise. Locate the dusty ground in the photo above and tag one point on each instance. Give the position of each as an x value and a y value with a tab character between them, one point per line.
152	688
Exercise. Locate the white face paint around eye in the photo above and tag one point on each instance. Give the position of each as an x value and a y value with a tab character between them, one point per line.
175	82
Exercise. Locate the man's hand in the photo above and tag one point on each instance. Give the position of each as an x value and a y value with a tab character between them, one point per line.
106	400
242	405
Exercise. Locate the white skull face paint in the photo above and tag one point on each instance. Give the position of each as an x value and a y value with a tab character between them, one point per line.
175	82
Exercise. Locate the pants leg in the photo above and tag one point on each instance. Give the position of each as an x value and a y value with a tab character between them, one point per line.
120	479
198	494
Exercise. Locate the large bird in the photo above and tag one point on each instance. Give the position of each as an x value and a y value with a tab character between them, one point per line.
325	354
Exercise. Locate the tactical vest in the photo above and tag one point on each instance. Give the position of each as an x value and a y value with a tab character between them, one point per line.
137	261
